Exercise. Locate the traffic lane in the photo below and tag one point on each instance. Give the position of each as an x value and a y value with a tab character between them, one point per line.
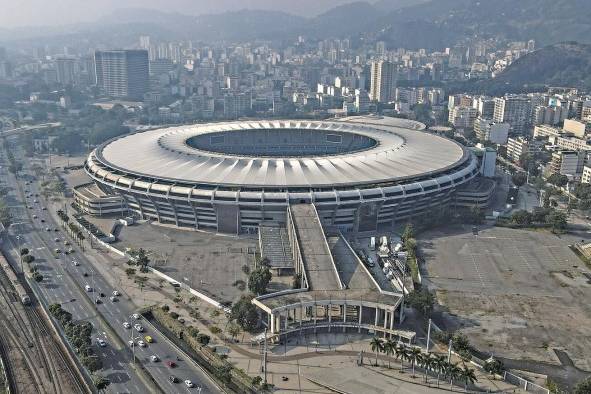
113	367
161	347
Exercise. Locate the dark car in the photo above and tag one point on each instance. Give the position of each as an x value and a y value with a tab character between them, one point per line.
102	294
98	301
475	230
173	379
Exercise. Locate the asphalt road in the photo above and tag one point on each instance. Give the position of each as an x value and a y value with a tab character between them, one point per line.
64	283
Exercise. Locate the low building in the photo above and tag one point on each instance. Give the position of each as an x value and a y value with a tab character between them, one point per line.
93	201
545	131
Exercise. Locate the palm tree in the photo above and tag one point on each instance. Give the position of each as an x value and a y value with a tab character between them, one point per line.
402	353
440	364
428	362
414	355
376	346
468	376
453	372
390	349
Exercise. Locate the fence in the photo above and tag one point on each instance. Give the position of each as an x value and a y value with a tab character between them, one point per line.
524	384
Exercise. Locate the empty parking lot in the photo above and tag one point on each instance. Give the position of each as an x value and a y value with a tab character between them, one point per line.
513	291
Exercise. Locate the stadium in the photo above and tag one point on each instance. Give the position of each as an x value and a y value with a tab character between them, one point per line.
360	173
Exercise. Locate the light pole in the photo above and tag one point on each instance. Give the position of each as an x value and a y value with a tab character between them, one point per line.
18	238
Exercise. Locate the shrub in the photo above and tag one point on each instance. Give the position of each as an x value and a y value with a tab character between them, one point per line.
174	315
215	330
203	339
165	308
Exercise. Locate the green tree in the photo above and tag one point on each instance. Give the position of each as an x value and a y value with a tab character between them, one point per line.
408	232
414	355
558	179
583	387
521	217
519	179
402	352
101	383
377	346
422	300
389	348
557	220
258	280
468	376
245	314
233	329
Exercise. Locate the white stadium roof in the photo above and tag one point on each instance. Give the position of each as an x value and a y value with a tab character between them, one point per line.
397	153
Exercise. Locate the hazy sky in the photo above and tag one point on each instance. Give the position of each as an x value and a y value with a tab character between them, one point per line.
16	13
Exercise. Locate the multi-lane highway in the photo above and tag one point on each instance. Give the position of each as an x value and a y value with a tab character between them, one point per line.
65	281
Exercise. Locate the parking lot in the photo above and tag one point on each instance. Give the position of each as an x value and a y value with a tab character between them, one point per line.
515	292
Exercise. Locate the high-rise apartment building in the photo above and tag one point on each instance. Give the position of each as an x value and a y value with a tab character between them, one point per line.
66	70
382	80
123	73
515	110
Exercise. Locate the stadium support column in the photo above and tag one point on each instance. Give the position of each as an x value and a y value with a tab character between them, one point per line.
377	316
272	323
392	320
344	316
329	315
360	314
385	321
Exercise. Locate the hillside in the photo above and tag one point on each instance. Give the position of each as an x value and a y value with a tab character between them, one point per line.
563	64
431	24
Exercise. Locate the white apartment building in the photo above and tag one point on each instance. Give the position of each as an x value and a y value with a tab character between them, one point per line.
462	117
487	130
515	110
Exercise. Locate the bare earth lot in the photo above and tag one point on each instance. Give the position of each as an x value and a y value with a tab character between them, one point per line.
515	293
205	261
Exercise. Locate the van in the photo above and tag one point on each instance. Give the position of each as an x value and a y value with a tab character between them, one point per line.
372	243
88	288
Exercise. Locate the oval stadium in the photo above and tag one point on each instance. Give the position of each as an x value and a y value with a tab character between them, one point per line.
360	173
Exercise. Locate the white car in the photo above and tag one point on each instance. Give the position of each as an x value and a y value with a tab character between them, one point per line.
116	294
101	342
154	358
141	343
139	328
131	343
136	316
76	264
188	383
88	288
126	324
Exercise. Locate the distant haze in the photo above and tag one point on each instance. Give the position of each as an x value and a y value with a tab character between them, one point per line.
17	13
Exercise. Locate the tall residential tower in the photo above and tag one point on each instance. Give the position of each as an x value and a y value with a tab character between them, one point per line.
123	73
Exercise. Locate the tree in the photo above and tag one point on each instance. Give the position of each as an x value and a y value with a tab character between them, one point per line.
408	232
557	220
233	329
24	251
245	314
521	217
439	363
583	387
428	362
377	346
389	348
101	383
519	179
453	372
558	179
258	280
494	367
402	353
422	300
468	376
414	355
29	258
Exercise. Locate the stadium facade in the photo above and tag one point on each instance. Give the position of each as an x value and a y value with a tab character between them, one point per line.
359	173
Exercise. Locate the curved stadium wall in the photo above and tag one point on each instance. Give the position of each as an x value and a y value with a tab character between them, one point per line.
231	177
